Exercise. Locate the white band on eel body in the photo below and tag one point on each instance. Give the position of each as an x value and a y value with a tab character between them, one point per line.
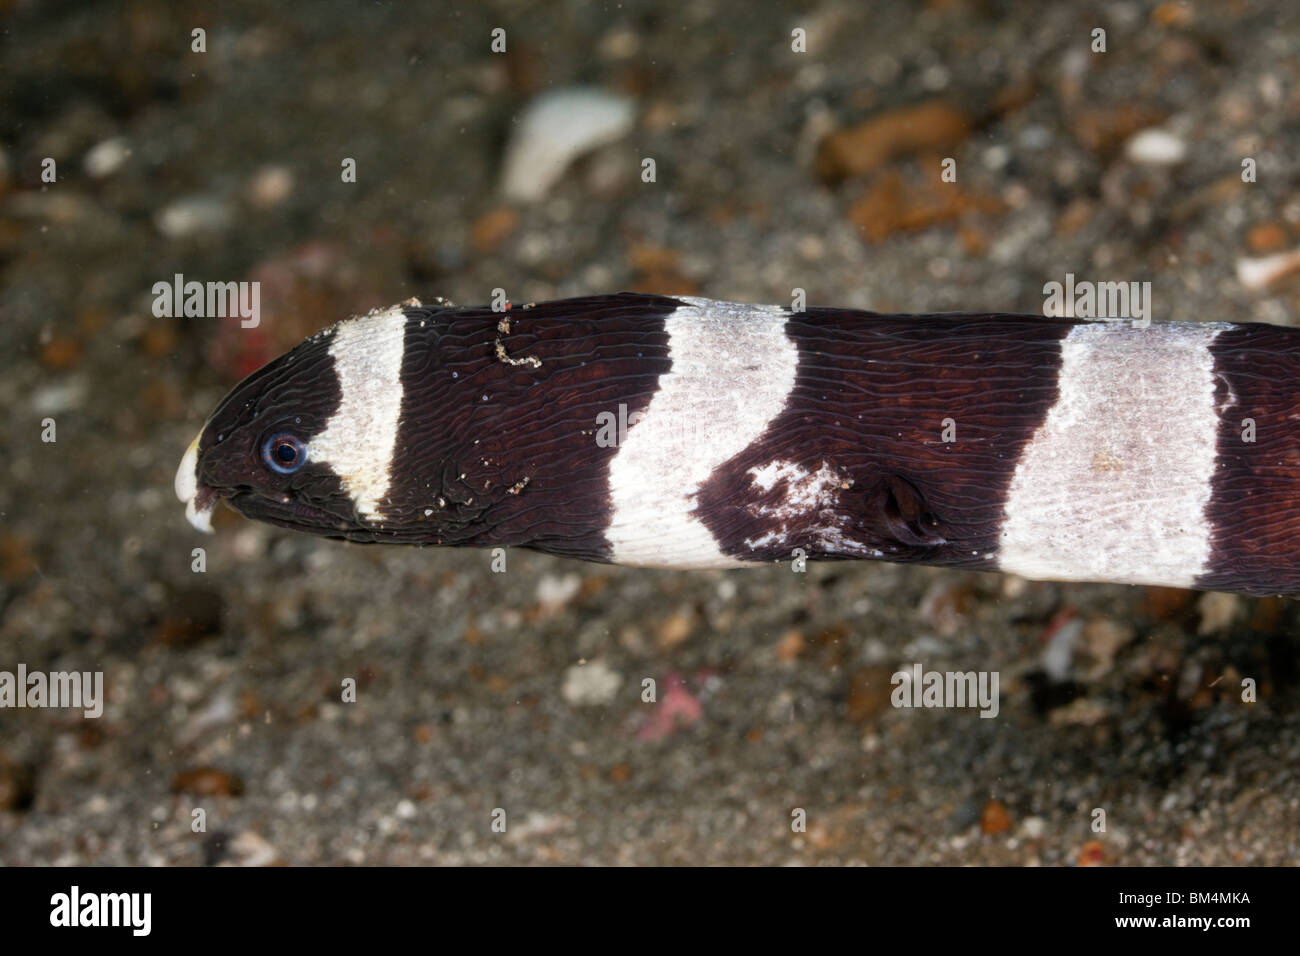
733	368
358	441
1115	482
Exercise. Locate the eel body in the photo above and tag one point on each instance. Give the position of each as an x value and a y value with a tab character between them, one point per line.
690	433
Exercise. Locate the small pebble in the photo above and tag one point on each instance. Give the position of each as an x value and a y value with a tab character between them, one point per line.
1058	656
994	818
492	228
207	782
1091	854
1266	237
790	646
554	591
16	789
59	396
870	689
675	629
192	216
250	849
270	186
592	683
1033	827
1155	147
106	158
1218	610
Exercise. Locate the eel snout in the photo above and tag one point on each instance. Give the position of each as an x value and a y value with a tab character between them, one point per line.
199	499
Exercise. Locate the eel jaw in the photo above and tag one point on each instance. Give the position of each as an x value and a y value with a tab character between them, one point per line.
200	500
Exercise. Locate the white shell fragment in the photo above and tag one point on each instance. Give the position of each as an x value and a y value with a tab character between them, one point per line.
1259	273
554	130
1155	147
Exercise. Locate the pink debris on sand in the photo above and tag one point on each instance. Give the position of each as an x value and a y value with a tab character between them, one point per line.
677	707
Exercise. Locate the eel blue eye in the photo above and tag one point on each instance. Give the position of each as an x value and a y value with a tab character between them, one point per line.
284	453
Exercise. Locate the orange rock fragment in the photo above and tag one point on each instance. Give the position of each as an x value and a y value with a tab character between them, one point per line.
931	125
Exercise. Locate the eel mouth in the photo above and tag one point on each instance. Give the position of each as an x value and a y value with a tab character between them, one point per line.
285	511
200	500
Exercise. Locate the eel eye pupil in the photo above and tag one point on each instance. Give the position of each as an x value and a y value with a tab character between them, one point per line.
284	453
